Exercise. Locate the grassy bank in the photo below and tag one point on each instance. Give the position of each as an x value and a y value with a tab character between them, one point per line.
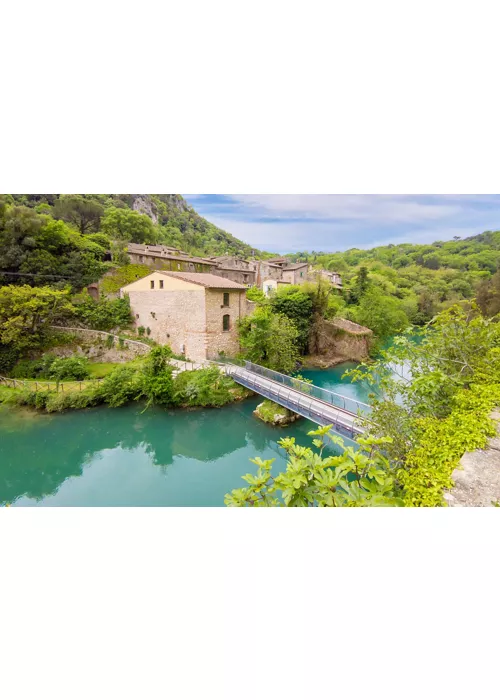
117	385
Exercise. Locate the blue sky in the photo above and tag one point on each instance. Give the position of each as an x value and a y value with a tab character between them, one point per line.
287	223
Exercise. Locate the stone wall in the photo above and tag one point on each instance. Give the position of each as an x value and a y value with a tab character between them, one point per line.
93	344
219	340
163	263
175	316
234	262
240	276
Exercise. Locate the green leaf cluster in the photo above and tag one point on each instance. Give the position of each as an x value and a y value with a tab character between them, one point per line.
355	478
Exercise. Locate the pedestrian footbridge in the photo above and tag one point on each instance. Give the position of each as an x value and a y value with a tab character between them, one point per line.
321	406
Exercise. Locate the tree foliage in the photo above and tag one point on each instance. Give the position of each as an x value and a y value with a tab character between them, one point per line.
83	214
128	225
269	339
433	398
38	250
297	306
355	478
384	315
103	314
26	313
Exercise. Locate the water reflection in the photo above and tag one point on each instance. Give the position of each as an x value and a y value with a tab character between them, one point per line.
38	456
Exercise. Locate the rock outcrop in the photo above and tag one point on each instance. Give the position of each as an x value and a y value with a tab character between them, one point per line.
477	478
143	204
274	414
340	340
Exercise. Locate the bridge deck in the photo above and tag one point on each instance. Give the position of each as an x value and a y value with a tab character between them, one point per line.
315	409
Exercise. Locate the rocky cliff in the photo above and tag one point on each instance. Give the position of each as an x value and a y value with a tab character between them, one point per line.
333	342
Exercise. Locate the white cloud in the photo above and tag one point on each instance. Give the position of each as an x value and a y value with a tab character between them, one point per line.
377	208
290	223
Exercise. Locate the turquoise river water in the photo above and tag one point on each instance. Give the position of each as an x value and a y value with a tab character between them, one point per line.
126	457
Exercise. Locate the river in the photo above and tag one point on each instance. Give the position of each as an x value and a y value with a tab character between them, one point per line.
131	457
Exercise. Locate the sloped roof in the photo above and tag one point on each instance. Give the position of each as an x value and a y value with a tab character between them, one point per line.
163	252
205	279
295	266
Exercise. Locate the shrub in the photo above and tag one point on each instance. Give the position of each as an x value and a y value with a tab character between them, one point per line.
26	397
119	387
157	380
203	387
34	369
355	478
141	330
76	368
122	276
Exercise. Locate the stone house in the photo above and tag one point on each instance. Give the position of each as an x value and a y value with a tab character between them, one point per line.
296	273
195	313
236	269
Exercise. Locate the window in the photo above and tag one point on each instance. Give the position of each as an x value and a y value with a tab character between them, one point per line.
178	266
226	325
161	284
302	274
152	283
225	299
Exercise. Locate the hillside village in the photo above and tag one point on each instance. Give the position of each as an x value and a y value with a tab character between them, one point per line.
194	303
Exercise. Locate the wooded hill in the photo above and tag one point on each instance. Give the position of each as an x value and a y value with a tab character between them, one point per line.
422	279
172	221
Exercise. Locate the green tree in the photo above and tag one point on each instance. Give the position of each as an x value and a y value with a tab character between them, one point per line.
269	339
361	285
382	314
104	314
127	225
26	313
83	214
488	296
298	307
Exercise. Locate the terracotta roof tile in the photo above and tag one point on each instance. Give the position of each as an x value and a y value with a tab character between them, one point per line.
205	279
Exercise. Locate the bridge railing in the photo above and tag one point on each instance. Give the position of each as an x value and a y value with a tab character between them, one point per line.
312	391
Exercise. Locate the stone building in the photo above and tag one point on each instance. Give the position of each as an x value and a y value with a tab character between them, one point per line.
247	272
165	258
296	273
333	277
236	269
195	313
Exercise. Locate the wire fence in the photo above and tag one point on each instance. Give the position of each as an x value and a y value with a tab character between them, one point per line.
48	385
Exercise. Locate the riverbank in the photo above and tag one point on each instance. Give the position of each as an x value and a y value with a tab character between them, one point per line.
165	385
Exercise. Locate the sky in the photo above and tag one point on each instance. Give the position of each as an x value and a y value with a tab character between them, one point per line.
289	223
